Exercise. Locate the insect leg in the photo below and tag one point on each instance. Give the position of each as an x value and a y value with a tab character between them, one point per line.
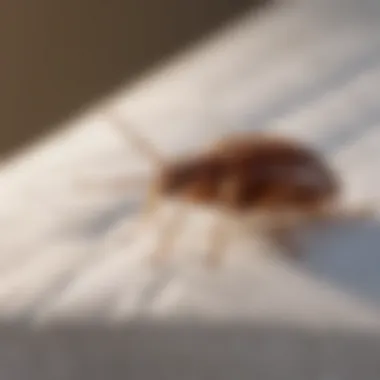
283	237
219	237
149	212
151	202
169	232
362	212
219	234
149	209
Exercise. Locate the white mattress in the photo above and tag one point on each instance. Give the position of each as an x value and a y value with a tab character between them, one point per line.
69	254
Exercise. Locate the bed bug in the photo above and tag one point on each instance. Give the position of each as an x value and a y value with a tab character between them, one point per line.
251	174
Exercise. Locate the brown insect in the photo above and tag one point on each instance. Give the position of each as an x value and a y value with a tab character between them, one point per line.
244	175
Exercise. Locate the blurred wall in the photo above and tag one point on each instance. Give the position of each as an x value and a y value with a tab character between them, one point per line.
57	56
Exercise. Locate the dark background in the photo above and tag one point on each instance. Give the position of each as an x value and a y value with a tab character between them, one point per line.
57	56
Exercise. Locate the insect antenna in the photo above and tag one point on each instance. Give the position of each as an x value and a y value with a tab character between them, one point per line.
141	143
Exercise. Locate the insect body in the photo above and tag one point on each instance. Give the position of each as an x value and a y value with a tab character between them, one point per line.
255	172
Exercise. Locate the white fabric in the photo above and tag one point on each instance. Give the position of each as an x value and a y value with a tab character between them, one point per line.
309	69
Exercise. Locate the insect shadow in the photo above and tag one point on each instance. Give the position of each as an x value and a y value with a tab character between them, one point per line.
346	255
